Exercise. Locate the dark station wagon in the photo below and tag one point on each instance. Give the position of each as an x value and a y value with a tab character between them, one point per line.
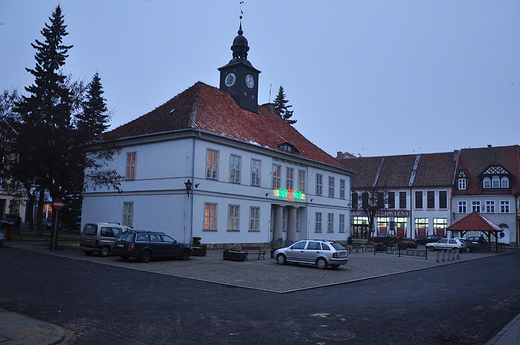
145	245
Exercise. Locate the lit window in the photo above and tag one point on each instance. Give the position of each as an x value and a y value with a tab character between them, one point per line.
131	165
212	164
210	216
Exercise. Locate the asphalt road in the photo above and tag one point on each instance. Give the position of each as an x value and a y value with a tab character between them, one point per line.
463	303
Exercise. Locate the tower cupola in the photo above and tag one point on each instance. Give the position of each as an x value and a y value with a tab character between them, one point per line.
239	78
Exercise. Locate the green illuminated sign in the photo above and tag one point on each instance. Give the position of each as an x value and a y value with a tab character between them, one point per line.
289	194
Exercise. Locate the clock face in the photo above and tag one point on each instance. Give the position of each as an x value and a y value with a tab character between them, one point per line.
230	79
250	81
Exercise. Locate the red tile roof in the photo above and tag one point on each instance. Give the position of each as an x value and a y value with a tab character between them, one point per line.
474	222
435	169
208	109
475	161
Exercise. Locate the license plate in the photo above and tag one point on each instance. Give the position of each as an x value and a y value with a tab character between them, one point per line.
343	254
120	245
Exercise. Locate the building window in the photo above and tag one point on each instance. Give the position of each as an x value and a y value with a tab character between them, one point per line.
255	172
475	206
128	213
233	217
319	184
131	165
277	175
402	199
430	195
212	164
421	227
355	200
254	218
301	181
504	182
490	206
462	183
210	216
486	182
341	223
443	199
495	182
391	200
318	222
289	179
342	189
504	206
235	163
463	207
418	199
440	225
330	222
331	186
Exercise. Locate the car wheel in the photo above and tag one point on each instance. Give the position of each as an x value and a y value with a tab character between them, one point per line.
88	252
431	248
281	259
334	266
321	263
104	251
185	254
468	249
146	256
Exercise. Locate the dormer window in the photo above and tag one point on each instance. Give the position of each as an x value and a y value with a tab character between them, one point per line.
288	147
495	179
462	181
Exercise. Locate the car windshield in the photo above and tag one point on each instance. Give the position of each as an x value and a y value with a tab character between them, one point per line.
125	237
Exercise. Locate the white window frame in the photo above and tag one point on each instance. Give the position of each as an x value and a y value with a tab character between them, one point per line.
505	206
128	213
210	216
332	182
277	176
342	184
490	206
234	218
476	206
131	165
330	222
212	157
341	223
319	184
289	178
318	223
256	168
254	218
301	180
235	167
462	183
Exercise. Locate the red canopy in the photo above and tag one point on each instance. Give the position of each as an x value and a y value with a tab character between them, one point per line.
474	222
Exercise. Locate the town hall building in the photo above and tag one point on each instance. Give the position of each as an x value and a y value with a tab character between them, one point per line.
212	163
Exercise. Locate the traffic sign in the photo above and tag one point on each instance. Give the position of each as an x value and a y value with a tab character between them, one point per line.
58	204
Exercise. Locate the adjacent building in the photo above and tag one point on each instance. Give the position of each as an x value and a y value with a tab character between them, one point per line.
425	193
212	163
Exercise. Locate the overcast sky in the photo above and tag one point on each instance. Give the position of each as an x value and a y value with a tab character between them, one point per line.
367	77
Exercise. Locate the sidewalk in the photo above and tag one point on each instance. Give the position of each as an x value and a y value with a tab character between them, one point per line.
21	330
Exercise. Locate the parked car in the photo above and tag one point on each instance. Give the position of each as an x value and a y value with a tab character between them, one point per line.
8	220
387	239
447	244
145	245
315	252
479	239
471	246
100	236
2	239
428	239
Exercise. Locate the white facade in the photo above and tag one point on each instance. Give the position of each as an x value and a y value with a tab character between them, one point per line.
228	203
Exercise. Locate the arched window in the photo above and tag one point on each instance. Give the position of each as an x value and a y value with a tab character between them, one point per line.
462	183
486	183
495	181
504	182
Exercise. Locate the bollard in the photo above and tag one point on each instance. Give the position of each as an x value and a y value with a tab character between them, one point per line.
438	256
443	256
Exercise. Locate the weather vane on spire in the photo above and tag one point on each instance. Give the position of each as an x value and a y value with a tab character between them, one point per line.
241	12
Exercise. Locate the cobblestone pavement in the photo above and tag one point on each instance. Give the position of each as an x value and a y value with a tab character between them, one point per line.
106	300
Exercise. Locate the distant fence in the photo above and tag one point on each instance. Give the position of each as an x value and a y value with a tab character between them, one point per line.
406	252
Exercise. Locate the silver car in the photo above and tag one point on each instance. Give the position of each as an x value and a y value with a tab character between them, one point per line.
315	252
447	244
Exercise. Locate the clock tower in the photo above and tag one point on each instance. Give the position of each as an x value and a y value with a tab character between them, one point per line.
239	78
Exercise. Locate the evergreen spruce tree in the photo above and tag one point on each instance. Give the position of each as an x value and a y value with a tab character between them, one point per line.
94	119
281	107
